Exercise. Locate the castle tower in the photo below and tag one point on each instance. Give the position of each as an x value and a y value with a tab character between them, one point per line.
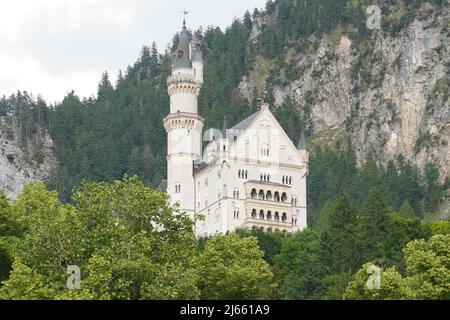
183	125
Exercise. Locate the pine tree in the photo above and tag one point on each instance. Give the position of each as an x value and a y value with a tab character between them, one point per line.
324	215
338	247
406	211
374	224
248	20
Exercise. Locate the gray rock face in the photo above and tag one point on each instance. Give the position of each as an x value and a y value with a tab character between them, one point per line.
16	164
390	96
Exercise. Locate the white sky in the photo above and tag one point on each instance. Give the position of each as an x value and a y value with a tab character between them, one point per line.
54	46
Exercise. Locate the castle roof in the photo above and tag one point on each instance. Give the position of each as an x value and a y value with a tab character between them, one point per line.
246	122
198	54
302	145
181	58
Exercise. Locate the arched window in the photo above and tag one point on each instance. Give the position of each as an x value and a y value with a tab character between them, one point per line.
254	214
269	195
283	179
253	194
290	180
269	215
246	174
268	177
239	173
283	197
261	214
284	217
277	196
277	216
261	195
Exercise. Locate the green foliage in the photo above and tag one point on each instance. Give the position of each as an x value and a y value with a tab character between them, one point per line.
7	228
406	211
402	232
427	274
373	227
232	267
298	267
324	215
30	115
400	182
110	228
269	242
126	240
428	268
338	245
25	284
392	286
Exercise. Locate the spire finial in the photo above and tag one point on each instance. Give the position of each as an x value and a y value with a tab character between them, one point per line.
185	12
263	100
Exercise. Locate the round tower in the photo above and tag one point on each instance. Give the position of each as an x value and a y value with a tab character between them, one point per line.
183	125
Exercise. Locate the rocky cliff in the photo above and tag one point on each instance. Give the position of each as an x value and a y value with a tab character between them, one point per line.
23	161
388	92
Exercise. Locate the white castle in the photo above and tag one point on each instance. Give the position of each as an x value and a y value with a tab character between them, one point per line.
251	175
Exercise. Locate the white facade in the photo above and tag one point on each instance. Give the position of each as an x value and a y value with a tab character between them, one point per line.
251	176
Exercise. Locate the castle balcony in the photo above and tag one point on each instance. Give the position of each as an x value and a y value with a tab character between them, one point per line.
262	192
181	78
268	206
266	225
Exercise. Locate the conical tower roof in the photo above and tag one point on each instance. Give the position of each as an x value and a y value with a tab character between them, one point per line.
302	142
181	58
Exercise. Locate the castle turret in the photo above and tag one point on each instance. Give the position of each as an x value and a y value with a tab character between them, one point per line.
303	148
197	62
183	125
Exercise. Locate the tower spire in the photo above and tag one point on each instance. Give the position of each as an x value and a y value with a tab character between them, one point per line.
302	145
263	100
185	12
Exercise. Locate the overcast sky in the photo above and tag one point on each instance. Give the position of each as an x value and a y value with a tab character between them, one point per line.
54	46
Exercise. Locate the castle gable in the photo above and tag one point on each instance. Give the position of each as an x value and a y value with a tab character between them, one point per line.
260	137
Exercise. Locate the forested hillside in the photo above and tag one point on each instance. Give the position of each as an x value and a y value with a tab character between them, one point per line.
120	130
377	123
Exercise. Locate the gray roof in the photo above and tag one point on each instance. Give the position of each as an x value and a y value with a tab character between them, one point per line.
181	58
302	145
200	167
198	54
246	122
